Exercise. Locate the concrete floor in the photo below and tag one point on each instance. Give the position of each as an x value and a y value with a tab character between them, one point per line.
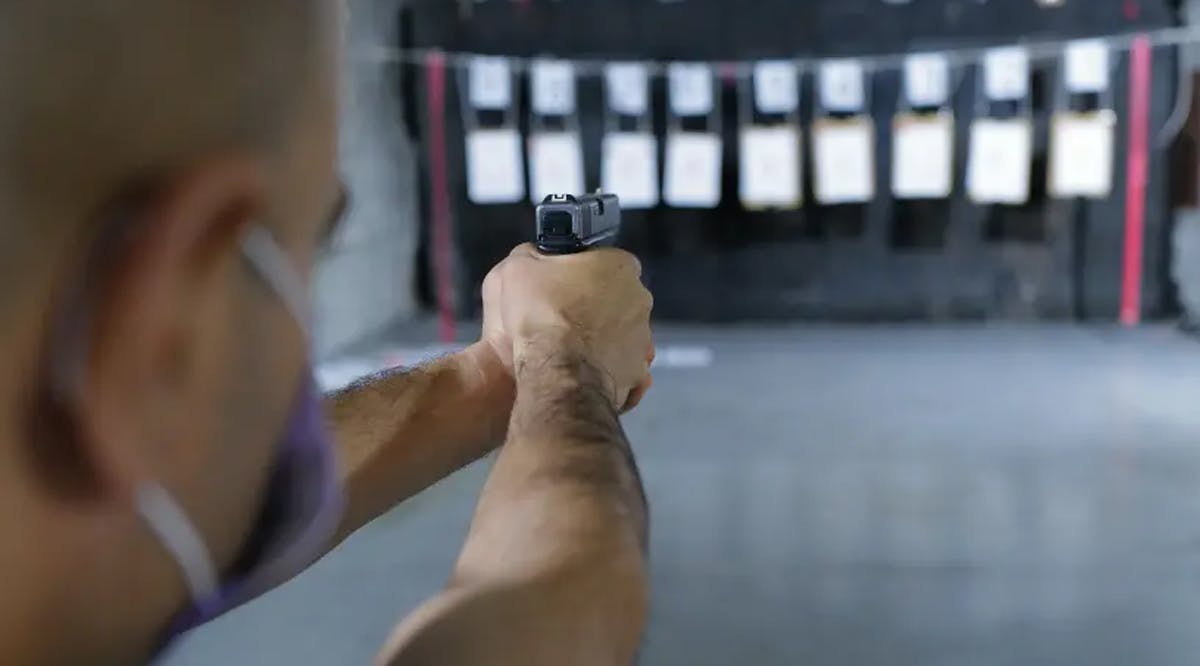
912	496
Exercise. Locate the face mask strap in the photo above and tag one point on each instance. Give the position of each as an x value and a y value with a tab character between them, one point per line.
274	267
159	510
68	355
163	515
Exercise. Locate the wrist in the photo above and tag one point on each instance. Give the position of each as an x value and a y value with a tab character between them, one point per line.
551	349
483	373
558	343
560	359
480	366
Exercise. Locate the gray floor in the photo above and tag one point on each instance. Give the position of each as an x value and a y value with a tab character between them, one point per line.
956	497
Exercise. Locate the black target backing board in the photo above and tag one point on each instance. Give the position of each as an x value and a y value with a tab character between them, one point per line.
945	259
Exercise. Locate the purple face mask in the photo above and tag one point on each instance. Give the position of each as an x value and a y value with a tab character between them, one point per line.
303	503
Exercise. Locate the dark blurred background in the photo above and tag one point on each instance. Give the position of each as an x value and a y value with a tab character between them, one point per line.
893	432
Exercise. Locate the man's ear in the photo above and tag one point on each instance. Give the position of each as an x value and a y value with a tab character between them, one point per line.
160	309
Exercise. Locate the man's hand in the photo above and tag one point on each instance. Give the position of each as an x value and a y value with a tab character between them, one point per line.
554	568
401	431
592	303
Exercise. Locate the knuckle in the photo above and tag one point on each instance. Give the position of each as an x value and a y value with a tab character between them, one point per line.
621	258
491	280
634	262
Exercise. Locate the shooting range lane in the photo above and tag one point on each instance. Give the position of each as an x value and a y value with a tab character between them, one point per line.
935	496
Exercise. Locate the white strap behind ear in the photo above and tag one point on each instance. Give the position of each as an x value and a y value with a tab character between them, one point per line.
179	537
274	267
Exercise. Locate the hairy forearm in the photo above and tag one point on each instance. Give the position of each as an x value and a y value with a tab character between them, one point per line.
401	431
565	490
554	570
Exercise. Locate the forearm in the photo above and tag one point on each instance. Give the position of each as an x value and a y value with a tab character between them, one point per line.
400	432
565	487
553	571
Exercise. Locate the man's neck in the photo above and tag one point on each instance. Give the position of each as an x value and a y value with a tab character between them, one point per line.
18	637
24	604
30	624
148	590
90	602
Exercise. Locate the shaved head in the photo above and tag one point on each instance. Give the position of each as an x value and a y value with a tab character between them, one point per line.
141	141
102	93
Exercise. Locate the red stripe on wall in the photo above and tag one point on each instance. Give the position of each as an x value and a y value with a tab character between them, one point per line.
442	237
1137	163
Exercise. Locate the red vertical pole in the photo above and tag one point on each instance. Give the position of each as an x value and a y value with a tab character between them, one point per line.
442	238
1136	172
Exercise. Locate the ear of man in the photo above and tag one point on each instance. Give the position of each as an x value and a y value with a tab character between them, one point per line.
160	319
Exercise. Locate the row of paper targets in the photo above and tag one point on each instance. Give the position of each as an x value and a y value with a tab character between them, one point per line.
843	144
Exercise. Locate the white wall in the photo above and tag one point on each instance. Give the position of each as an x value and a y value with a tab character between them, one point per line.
365	281
1185	243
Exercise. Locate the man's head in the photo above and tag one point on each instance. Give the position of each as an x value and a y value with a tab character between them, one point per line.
139	141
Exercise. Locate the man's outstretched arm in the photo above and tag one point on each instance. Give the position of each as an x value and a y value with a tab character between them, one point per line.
553	571
401	431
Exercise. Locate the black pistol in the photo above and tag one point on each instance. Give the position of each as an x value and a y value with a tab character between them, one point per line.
568	224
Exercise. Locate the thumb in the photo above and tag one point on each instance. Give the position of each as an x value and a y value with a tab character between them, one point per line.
636	396
525	250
